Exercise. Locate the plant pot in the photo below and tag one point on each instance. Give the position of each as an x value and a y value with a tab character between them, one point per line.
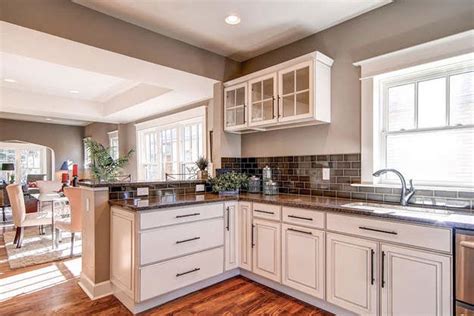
202	174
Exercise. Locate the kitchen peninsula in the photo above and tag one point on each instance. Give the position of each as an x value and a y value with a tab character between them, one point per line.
173	242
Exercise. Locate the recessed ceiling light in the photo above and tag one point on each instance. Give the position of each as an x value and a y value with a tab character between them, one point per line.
73	91
9	80
232	19
49	119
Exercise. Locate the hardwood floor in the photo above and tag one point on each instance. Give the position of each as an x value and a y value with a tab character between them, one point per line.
51	289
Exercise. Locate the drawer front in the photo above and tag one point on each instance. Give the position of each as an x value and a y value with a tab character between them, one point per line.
170	275
267	211
178	215
419	236
173	241
303	217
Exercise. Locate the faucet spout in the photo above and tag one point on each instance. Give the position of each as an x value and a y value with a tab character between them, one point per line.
406	193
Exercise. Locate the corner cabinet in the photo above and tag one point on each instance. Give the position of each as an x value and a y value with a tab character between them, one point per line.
291	94
235	107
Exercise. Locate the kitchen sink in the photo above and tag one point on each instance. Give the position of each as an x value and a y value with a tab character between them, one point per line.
406	211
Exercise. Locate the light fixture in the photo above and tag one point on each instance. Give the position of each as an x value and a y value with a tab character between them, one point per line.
9	80
232	19
48	119
73	91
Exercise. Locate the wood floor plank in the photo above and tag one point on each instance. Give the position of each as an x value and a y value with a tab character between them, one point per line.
234	297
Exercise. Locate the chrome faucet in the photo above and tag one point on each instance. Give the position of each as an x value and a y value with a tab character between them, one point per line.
406	194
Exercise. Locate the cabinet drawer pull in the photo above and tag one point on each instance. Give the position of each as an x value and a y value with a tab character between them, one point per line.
372	277
383	269
300	231
186	240
467	244
187	215
190	271
252	236
378	230
265	212
300	217
228	218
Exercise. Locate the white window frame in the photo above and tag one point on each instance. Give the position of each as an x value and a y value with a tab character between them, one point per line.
18	147
87	157
178	120
387	82
450	49
114	136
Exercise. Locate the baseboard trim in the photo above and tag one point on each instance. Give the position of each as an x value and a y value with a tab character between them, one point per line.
296	294
136	308
95	290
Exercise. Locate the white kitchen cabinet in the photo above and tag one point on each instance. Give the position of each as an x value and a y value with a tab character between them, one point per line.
415	282
235	107
267	249
244	217
231	236
351	273
262	100
291	94
303	266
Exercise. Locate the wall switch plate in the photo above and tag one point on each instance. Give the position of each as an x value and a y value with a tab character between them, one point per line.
200	187
326	174
142	191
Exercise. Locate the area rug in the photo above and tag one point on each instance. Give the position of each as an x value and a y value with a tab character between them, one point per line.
38	249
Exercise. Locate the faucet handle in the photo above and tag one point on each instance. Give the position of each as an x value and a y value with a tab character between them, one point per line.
411	186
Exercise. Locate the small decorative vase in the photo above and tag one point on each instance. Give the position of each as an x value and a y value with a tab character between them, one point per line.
202	174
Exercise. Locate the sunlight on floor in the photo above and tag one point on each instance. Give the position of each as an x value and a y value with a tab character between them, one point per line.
30	281
74	266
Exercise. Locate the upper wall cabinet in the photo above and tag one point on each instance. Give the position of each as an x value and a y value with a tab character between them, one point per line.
235	114
291	94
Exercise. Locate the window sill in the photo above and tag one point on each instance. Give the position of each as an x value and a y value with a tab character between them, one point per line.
417	187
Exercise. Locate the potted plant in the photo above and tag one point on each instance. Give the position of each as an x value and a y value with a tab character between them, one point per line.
202	164
229	183
103	167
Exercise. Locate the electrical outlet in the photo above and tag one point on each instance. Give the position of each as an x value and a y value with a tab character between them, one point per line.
142	191
200	188
326	174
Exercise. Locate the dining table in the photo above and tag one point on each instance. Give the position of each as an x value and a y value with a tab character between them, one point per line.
50	197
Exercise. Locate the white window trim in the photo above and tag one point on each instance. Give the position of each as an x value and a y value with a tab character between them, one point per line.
441	49
85	162
26	146
114	135
183	117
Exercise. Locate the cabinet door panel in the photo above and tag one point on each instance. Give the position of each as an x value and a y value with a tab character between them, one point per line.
230	98
351	273
262	100
245	235
230	236
235	99
302	103
288	106
266	252
302	79
416	282
288	82
303	259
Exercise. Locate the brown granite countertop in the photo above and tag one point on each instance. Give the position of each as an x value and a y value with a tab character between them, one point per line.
444	218
96	184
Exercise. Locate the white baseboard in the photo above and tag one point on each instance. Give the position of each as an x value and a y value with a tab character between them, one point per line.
136	308
95	290
296	294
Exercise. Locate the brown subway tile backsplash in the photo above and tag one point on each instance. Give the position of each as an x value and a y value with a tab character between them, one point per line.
303	175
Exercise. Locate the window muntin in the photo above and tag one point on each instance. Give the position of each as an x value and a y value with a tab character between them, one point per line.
170	150
427	129
114	145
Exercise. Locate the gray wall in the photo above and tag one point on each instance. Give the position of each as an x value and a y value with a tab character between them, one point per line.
98	131
395	26
66	141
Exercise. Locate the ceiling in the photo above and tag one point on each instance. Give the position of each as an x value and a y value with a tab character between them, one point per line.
67	82
265	24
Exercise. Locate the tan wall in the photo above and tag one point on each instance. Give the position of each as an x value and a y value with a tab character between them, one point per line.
66	141
395	26
66	19
98	132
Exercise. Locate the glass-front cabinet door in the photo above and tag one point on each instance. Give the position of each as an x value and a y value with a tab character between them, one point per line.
262	100
295	92
235	116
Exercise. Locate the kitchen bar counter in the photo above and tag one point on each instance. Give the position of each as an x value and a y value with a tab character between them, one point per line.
446	218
